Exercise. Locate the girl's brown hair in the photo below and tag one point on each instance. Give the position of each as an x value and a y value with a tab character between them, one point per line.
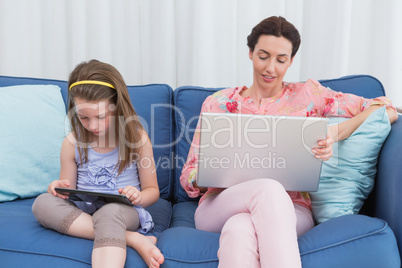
276	26
128	129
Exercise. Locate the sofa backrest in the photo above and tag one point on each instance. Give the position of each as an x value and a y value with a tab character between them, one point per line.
188	101
6	81
153	104
171	128
362	85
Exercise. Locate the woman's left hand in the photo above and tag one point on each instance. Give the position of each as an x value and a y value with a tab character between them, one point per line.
132	193
324	149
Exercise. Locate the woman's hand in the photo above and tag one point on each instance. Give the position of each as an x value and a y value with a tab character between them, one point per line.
133	194
324	151
58	184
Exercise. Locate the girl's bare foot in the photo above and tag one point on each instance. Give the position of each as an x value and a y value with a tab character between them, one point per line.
145	246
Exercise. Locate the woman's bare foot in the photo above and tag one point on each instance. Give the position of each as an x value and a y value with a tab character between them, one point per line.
145	246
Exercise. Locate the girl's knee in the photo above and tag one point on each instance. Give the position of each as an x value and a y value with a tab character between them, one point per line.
115	218
110	210
41	204
113	213
110	225
54	213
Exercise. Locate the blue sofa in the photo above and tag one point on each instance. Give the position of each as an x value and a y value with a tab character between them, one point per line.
369	239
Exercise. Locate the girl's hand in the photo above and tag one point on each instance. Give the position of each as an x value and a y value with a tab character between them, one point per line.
324	151
58	184
132	193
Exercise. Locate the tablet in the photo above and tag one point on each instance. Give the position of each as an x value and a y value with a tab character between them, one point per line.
79	195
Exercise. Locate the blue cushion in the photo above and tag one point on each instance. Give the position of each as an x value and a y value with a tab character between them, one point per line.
153	104
323	246
188	102
32	119
183	214
348	177
182	246
350	241
24	240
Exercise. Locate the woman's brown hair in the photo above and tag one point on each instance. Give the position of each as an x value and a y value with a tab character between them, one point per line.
276	26
129	128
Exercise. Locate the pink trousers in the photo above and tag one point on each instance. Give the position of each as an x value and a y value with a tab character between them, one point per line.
259	225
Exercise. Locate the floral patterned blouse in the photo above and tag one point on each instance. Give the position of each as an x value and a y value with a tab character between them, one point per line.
294	99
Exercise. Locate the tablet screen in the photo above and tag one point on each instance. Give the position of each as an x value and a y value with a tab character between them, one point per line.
79	195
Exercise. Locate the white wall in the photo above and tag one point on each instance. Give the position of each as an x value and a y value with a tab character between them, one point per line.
199	42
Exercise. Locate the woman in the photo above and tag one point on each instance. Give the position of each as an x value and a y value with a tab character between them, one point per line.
259	221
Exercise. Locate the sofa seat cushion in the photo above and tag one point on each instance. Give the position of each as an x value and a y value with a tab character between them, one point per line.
24	241
330	244
184	247
183	214
326	245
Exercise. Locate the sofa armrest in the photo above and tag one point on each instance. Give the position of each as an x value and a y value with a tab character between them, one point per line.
388	197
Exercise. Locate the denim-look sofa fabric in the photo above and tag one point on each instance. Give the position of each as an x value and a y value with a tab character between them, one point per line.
365	240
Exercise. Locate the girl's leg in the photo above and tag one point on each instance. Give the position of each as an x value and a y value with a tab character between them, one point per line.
272	215
144	245
108	257
110	225
63	216
55	213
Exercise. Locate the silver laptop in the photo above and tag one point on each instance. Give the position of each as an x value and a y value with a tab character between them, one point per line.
239	147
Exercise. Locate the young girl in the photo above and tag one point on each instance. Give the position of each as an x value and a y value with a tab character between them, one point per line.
104	153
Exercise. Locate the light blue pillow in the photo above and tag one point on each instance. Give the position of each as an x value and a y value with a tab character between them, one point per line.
348	177
32	131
